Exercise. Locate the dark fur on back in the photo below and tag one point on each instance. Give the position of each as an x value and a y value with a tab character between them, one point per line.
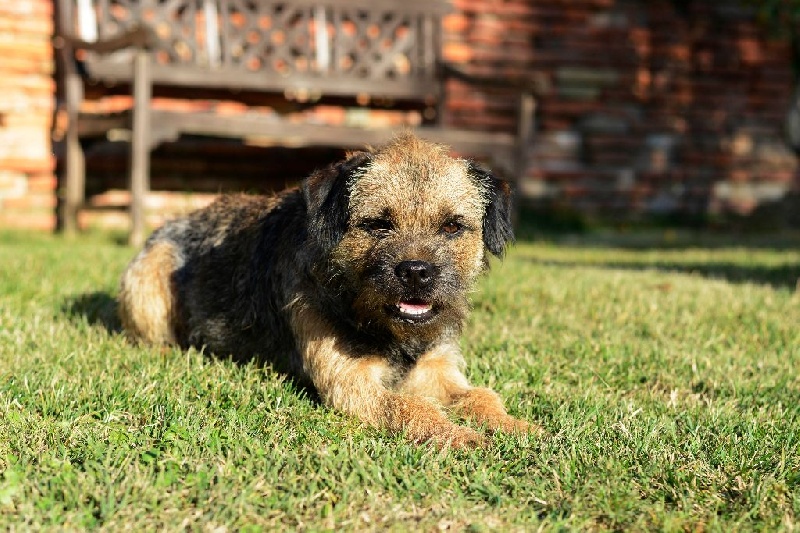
232	281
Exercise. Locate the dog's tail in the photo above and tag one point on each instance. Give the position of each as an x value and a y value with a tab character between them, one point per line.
148	296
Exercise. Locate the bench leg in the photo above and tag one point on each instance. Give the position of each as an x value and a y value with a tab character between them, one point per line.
75	181
140	146
525	128
75	171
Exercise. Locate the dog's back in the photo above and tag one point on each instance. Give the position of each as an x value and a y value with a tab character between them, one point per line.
194	281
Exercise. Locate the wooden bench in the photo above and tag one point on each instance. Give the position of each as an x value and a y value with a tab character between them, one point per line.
365	49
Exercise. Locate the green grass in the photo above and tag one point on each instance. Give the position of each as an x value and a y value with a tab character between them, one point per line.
667	381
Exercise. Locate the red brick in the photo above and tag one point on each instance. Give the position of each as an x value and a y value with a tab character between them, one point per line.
28	202
33	166
26	27
42	183
44	220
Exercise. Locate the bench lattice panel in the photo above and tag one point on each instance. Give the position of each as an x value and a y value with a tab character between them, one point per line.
374	44
272	37
177	25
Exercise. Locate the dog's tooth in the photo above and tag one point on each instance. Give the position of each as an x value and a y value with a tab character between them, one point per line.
413	310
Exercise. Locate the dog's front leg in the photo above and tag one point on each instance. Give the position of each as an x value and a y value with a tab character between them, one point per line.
438	375
356	385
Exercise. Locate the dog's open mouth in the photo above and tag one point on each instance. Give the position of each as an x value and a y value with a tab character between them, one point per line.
414	309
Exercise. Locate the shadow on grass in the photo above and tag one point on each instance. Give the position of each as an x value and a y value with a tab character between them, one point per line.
779	277
98	308
570	229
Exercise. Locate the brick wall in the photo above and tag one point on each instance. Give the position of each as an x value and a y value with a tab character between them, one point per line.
654	108
27	182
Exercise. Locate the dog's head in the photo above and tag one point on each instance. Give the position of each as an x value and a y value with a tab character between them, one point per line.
403	231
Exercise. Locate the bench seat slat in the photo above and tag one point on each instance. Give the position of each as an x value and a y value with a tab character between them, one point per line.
281	133
237	79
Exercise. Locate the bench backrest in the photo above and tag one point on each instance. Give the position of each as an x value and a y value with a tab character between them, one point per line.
384	48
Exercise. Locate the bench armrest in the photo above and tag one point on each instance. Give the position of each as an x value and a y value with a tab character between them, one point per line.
536	83
136	37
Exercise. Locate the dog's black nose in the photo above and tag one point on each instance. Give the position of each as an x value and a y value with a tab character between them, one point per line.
415	274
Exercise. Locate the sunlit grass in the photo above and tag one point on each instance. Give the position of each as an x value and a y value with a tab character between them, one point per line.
667	381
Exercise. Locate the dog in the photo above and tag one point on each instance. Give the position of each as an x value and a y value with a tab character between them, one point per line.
355	283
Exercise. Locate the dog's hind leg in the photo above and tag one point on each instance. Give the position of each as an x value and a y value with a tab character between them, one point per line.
148	299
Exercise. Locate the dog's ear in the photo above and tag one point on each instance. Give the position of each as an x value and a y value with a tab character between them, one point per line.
497	227
327	197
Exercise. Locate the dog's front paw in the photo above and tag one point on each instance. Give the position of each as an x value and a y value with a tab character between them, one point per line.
509	424
459	437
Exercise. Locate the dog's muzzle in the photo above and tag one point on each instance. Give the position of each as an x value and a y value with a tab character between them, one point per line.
415	276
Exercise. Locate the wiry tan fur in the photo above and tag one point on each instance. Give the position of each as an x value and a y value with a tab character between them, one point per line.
147	299
414	406
419	201
247	250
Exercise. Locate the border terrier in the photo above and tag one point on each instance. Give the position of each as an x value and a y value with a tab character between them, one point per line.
355	283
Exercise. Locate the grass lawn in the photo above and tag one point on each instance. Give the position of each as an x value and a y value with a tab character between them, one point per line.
667	380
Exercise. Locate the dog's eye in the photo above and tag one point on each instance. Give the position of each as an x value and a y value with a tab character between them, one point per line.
452	228
378	227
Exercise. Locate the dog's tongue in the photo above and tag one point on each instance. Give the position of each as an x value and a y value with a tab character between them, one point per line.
414	308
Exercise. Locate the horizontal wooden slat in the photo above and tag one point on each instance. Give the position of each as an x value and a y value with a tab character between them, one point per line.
92	125
264	131
405	6
231	78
